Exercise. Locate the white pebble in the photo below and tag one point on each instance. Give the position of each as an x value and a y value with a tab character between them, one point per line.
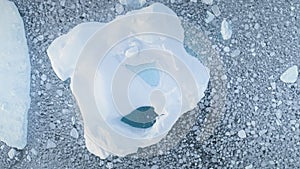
59	92
208	2
74	133
242	134
44	77
235	53
290	75
210	17
215	9
249	166
119	8
273	85
11	153
34	152
226	30
50	144
226	49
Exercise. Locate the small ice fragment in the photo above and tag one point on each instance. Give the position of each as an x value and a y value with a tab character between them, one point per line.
226	49
290	75
33	151
52	126
11	153
44	77
119	8
208	2
50	144
235	53
210	17
74	133
226	30
242	134
249	166
273	85
59	92
215	9
194	1
133	3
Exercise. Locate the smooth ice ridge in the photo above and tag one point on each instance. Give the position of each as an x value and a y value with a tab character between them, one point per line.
100	58
290	75
14	77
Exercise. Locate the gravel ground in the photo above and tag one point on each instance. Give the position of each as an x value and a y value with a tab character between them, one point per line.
259	127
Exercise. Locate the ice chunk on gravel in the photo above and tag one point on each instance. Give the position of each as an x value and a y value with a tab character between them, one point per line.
210	17
226	30
50	144
235	53
74	133
242	134
208	2
290	75
119	8
133	3
14	77
215	9
11	153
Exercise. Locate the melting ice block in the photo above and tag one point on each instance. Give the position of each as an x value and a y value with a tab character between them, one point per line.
14	77
131	78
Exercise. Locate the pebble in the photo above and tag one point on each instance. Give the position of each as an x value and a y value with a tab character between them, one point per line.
74	133
50	144
208	2
59	92
52	126
226	30
11	154
290	75
119	8
242	134
235	53
210	17
215	9
249	166
155	167
33	151
44	77
226	49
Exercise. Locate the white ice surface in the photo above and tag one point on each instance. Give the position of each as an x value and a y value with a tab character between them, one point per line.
75	55
290	75
226	30
14	77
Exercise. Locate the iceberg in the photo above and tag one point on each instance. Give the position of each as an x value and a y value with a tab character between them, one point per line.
131	78
14	77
